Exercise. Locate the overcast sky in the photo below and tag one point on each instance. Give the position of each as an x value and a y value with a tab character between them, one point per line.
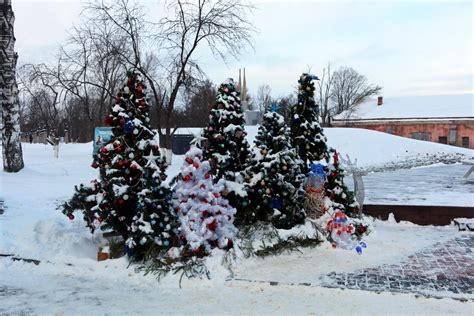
408	47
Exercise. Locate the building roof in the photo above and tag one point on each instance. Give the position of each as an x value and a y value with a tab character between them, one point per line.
413	107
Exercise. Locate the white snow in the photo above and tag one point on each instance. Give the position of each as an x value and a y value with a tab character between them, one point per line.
429	106
69	280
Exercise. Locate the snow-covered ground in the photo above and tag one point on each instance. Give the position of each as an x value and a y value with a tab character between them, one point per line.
69	280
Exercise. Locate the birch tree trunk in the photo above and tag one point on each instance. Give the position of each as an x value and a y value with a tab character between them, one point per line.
11	142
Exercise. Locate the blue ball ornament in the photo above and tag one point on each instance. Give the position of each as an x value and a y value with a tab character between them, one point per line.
363	244
153	222
142	241
128	127
359	250
166	243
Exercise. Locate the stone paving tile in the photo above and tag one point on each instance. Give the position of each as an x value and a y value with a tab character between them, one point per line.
443	270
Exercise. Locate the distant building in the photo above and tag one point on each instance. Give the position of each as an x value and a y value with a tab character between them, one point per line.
446	119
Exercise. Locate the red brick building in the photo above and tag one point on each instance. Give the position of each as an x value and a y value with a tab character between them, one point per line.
447	119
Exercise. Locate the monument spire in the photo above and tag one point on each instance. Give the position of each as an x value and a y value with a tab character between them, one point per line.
239	85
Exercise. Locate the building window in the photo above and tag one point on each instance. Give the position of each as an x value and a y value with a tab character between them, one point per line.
421	136
452	136
465	142
389	130
442	140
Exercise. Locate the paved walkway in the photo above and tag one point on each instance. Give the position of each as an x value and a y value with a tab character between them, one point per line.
444	270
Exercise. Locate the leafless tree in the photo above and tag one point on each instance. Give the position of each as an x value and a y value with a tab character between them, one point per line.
323	94
341	90
221	25
40	98
264	98
198	107
350	89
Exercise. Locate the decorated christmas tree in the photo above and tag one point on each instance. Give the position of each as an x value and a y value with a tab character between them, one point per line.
224	137
344	226
274	181
128	197
205	215
223	142
342	198
306	133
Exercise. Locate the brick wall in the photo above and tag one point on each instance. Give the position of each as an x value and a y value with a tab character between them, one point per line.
435	131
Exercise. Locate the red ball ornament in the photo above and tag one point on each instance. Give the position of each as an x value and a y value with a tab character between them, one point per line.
120	163
71	217
104	150
197	250
109	121
212	225
122	121
182	238
156	147
333	245
207	176
206	214
188	160
120	201
100	219
216	195
187	178
133	167
95	165
196	165
119	149
230	243
140	89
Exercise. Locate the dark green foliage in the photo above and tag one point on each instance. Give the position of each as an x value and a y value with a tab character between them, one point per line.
274	181
306	133
342	198
128	197
223	140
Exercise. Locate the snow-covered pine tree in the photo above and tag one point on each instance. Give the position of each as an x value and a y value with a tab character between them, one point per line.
9	101
224	144
129	196
306	133
342	198
155	222
205	215
274	180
